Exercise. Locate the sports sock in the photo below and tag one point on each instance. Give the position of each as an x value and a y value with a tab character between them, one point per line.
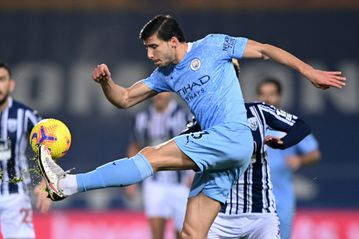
121	172
69	184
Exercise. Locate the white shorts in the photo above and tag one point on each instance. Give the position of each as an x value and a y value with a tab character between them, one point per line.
246	226
16	216
165	201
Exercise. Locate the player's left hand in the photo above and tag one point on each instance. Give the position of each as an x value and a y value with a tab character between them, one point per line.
43	203
326	79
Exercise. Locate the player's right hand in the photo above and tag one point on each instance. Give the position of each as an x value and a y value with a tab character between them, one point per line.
43	203
101	73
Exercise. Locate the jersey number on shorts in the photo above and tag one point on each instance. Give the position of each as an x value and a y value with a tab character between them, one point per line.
26	212
196	135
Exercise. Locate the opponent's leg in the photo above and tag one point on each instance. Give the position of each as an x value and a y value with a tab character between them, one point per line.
200	214
157	225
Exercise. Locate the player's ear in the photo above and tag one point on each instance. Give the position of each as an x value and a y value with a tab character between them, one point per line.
174	42
12	85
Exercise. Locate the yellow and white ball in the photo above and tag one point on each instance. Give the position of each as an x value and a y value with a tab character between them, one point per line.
52	133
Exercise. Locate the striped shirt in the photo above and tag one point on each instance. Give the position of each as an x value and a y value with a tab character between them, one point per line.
16	122
152	128
252	193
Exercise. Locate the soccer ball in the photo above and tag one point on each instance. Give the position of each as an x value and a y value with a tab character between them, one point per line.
53	134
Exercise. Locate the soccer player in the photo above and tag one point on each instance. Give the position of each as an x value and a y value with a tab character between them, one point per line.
250	210
165	193
201	73
16	122
284	162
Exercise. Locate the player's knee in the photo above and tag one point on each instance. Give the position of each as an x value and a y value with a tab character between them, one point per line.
149	153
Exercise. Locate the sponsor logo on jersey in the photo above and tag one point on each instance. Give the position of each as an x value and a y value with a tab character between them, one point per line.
228	43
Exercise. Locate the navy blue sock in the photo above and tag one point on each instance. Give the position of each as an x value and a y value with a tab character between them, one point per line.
121	172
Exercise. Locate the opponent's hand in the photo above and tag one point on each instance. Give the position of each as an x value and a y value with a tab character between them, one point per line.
43	203
274	142
326	79
101	73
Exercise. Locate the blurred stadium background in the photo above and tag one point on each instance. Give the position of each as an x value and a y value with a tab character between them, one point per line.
52	47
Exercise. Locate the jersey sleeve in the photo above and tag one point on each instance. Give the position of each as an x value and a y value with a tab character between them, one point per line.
156	82
295	127
277	119
33	118
307	145
230	47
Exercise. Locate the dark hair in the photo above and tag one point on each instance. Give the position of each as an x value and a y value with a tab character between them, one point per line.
272	81
6	67
165	26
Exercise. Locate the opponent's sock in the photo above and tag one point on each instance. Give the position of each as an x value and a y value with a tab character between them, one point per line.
121	172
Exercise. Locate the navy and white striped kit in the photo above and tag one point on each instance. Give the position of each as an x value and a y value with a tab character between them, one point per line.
16	122
252	193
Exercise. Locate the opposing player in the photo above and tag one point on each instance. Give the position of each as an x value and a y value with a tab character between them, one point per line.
165	193
16	122
201	73
250	210
284	162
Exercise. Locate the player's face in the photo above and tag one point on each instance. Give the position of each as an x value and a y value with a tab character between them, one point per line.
6	85
269	94
160	52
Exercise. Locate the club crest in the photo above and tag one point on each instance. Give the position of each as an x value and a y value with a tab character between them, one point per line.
253	123
195	64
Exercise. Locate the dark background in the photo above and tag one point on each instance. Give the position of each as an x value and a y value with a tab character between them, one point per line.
53	48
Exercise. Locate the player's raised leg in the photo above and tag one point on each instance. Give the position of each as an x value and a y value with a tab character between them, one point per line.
121	172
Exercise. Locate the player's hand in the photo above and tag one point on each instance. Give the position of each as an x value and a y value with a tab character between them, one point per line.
131	191
326	79
43	203
274	142
101	73
294	162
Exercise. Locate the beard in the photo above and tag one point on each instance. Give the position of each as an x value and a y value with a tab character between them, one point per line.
4	99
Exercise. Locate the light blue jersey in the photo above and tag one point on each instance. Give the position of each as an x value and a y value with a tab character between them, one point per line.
282	179
205	79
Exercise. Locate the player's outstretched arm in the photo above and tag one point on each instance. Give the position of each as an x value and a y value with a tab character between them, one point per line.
119	96
320	79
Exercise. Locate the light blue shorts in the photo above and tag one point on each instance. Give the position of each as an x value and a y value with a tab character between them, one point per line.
222	154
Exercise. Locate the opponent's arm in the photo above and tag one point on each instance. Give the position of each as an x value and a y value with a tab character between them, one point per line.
280	120
119	96
320	79
295	133
296	161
